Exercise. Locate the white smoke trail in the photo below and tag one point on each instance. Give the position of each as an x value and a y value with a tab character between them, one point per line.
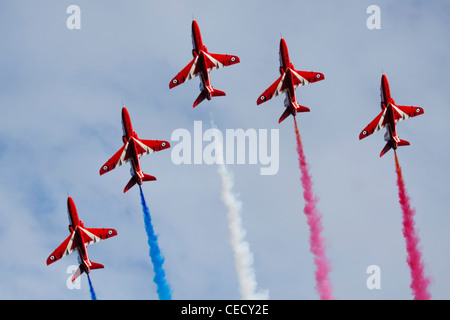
242	255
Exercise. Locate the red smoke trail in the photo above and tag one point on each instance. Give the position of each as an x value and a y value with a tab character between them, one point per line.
419	283
323	286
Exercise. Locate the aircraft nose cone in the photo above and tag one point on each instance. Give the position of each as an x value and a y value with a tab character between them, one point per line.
195	27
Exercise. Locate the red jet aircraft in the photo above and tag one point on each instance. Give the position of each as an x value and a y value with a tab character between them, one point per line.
202	64
389	116
132	150
287	82
78	239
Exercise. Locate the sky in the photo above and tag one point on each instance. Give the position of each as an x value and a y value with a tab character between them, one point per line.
61	94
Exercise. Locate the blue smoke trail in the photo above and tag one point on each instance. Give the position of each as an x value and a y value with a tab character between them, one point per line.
91	288
163	289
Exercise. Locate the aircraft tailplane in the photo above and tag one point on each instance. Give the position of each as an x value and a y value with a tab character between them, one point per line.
386	148
130	184
95	265
285	114
200	98
217	93
148	177
302	108
204	94
81	269
77	273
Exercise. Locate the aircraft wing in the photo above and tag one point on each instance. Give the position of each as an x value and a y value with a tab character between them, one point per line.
215	61
90	235
376	124
119	158
93	235
405	112
150	146
187	73
64	249
275	89
212	61
302	78
124	155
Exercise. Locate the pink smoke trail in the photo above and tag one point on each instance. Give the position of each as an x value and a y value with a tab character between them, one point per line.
316	241
419	283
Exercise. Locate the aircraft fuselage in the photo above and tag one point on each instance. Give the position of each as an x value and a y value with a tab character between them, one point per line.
128	136
285	68
388	103
199	49
75	224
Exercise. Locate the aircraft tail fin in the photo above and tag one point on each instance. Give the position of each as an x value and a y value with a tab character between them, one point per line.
130	184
